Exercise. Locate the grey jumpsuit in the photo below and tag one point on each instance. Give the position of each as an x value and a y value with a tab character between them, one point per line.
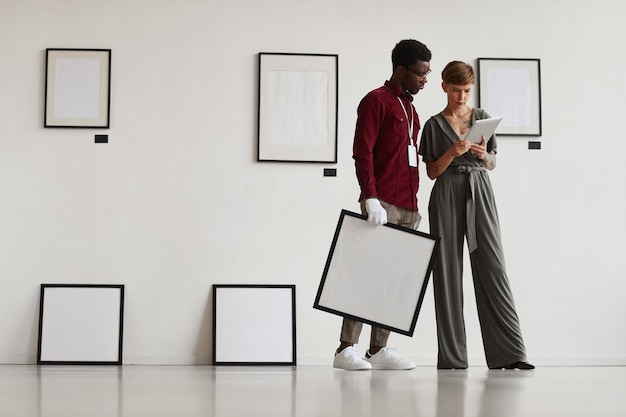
462	205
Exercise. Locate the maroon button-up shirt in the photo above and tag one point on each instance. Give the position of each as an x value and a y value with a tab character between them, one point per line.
380	148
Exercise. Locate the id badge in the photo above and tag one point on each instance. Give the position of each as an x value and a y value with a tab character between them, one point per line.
412	156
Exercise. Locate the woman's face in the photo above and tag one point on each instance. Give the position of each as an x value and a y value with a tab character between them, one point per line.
458	95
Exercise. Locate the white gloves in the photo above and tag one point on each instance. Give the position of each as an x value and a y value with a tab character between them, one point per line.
375	212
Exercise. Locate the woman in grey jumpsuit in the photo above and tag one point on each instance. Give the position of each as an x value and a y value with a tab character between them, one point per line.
462	205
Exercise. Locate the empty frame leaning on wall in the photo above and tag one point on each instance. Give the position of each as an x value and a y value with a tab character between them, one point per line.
81	324
298	103
376	274
511	88
78	88
254	324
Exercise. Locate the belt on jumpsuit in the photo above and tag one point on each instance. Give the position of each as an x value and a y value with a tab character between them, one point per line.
470	205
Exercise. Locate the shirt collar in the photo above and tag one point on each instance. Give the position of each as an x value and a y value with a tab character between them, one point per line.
396	91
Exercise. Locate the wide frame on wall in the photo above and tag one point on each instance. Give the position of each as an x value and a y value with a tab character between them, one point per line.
298	102
78	88
511	88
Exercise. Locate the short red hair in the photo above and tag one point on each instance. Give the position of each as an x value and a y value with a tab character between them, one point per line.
458	73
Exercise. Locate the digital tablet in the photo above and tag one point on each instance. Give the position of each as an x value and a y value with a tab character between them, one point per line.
483	127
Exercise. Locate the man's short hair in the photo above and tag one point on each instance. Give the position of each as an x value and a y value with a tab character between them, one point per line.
408	51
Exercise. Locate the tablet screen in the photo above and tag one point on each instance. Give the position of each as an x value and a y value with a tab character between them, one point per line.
483	127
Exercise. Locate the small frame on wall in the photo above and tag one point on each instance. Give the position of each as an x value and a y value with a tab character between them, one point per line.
81	324
511	88
298	102
78	88
254	325
360	255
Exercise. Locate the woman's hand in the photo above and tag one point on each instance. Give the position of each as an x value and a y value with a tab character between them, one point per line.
435	168
480	149
488	158
460	147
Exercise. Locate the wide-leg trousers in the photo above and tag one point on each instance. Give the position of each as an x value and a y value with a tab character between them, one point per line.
351	329
462	205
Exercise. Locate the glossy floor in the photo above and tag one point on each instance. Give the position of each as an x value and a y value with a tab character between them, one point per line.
194	391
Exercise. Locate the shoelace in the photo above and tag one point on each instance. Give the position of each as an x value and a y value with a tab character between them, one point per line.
390	353
391	350
353	353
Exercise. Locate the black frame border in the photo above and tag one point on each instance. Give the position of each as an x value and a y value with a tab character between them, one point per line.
336	132
215	360
45	101
411	330
539	109
121	325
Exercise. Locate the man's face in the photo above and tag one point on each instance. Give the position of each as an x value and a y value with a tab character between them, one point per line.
414	78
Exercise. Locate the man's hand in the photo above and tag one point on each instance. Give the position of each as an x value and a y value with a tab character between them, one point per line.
376	213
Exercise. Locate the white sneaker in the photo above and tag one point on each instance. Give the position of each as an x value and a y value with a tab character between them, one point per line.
350	360
386	358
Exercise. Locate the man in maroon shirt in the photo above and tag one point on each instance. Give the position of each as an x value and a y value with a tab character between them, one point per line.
385	155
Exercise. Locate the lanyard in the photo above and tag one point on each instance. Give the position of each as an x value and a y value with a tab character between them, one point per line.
409	123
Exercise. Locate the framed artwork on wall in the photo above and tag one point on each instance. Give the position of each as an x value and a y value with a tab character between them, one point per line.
77	88
80	324
254	324
511	88
362	253
298	101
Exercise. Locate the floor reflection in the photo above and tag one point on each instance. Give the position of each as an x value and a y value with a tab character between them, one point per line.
502	391
64	391
205	391
237	391
451	391
497	393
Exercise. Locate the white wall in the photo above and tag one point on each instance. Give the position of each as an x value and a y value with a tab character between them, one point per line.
176	201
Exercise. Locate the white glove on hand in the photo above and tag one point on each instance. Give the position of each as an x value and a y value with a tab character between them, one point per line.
375	211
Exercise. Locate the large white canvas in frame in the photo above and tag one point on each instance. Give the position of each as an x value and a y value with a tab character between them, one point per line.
81	324
376	274
254	325
511	88
78	88
297	107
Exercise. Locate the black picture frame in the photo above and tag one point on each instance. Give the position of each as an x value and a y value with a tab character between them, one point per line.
254	324
511	88
376	274
81	324
77	88
298	107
